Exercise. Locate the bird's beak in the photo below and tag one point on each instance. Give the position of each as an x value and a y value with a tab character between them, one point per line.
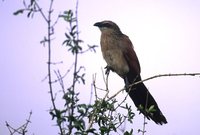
98	24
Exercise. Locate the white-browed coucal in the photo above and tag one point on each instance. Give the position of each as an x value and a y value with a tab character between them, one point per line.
121	58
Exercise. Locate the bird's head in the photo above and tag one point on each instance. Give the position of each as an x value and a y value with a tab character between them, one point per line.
108	26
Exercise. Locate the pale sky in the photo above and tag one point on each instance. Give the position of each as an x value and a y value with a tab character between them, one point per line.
165	35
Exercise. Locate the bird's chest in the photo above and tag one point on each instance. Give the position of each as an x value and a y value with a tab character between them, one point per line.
114	57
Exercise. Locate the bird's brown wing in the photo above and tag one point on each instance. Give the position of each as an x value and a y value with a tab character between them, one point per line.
139	93
130	55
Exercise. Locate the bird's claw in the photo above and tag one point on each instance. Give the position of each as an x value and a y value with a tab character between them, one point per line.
108	68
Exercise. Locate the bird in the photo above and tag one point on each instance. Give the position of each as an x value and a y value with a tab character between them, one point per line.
119	54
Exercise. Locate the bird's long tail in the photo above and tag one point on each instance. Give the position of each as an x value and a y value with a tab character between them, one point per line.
145	102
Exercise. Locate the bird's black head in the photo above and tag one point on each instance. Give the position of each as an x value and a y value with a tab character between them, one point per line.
107	25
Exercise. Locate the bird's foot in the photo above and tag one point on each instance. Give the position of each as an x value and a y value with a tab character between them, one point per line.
108	68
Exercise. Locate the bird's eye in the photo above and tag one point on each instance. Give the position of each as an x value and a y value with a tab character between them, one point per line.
108	25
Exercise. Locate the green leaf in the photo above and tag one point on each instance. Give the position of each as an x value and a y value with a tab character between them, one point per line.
140	107
104	129
151	109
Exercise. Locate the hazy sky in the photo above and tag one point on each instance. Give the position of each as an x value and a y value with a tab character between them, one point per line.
166	39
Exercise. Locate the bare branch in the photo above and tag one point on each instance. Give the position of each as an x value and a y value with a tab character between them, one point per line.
153	77
40	10
168	75
22	130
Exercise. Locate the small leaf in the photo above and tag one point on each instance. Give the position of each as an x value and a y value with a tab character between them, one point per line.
151	109
52	114
67	36
20	11
140	107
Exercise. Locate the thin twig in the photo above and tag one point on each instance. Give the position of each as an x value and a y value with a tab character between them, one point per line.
63	76
71	113
153	77
105	96
167	75
49	34
20	130
40	10
60	80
